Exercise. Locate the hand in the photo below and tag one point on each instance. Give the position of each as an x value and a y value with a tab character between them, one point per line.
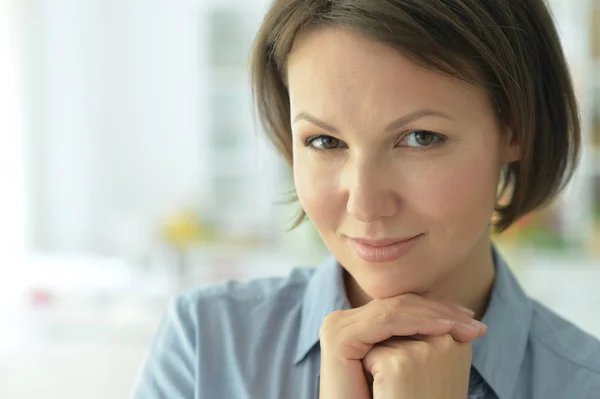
347	336
434	367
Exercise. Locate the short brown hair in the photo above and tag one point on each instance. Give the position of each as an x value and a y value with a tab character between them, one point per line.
510	48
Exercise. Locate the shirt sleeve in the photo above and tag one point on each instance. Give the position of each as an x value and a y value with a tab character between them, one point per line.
168	372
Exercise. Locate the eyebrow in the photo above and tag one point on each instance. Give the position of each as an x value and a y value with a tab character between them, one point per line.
395	125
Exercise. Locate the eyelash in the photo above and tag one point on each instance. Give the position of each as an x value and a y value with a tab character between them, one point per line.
438	139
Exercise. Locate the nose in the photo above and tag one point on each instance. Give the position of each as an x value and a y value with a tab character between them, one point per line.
370	189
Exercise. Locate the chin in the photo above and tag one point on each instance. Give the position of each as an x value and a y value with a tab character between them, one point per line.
382	290
381	281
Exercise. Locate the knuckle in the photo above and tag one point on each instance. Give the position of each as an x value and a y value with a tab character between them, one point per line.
395	302
330	324
324	333
410	297
444	342
385	317
333	318
447	339
423	348
405	299
398	363
384	361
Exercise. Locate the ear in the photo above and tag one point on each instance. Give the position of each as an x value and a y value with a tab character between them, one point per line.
512	150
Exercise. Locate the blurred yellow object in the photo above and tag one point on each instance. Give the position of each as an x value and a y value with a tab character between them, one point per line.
183	229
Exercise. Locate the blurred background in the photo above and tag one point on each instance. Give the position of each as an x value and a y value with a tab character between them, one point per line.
131	169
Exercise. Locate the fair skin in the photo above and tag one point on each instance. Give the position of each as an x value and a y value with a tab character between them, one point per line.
385	149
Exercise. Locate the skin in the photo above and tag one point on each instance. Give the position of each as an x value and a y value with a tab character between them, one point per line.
359	175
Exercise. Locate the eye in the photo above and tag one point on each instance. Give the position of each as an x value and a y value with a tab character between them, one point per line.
421	138
324	143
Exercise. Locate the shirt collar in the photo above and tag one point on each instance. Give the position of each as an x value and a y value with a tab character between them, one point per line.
324	294
497	356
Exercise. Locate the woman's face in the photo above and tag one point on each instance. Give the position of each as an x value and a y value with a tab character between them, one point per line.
386	151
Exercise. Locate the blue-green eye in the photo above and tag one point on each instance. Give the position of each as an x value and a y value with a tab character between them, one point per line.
421	138
324	142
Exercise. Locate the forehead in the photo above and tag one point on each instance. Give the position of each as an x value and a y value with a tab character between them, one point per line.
331	67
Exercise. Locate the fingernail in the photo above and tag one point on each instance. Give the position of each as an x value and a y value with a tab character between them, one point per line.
478	324
472	327
465	310
445	321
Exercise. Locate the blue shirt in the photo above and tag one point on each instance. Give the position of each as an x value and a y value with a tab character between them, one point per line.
260	339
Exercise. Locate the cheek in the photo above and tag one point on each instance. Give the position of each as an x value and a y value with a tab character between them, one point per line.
317	187
458	193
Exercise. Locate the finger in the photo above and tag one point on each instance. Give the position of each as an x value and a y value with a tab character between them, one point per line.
464	329
463	333
416	306
442	341
443	305
353	333
380	323
467	332
357	338
462	336
447	302
384	385
456	311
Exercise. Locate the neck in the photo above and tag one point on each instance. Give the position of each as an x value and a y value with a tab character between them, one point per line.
470	285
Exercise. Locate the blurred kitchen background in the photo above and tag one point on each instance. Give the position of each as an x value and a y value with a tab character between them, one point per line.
131	168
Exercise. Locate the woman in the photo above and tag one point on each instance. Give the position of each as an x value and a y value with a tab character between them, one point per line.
404	121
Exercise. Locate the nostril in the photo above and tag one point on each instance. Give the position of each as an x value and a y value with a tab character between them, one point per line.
369	207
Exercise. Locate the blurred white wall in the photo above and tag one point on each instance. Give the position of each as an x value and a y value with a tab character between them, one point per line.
115	117
15	226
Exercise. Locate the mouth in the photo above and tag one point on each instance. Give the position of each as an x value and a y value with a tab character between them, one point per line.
383	250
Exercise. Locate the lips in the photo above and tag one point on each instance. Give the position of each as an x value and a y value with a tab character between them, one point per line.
381	242
383	250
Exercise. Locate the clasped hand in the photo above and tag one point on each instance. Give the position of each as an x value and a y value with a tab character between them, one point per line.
409	346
